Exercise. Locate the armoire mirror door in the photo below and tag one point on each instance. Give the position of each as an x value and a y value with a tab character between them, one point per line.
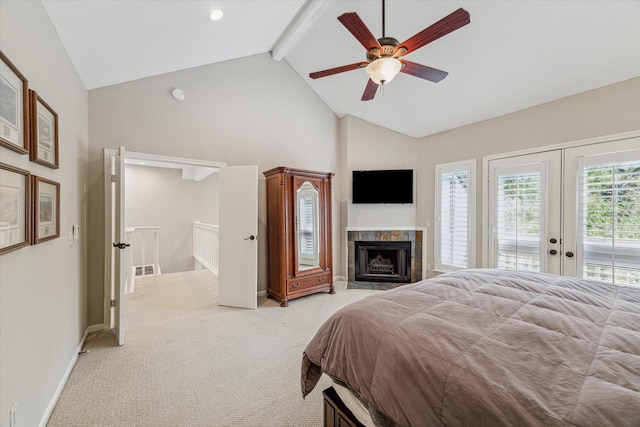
300	253
307	227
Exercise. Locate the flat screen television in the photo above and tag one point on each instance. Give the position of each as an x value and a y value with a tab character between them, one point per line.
383	186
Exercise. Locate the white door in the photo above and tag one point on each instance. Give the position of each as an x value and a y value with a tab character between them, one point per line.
524	212
602	212
238	247
115	274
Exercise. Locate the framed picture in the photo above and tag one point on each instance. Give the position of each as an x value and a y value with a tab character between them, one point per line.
15	214
44	132
14	107
46	209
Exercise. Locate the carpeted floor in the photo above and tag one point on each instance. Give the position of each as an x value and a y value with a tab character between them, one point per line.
189	362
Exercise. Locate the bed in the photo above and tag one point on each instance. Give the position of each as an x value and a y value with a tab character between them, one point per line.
487	348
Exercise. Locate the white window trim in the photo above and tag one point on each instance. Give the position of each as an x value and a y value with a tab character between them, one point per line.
470	167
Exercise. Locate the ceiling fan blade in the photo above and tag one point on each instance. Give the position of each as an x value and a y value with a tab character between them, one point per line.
354	24
336	70
449	23
369	91
423	72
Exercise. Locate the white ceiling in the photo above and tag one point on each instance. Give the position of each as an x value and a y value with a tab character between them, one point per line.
513	55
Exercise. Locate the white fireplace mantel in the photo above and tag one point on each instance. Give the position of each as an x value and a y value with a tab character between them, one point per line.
369	228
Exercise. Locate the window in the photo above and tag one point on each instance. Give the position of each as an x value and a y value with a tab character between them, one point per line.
519	220
455	216
609	209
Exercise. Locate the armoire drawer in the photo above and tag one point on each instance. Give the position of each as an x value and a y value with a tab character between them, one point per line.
300	283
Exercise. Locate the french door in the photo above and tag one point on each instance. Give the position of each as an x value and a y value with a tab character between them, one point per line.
524	212
572	211
602	234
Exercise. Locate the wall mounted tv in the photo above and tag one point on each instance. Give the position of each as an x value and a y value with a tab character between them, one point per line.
383	186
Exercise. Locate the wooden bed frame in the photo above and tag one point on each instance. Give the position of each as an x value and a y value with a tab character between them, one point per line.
336	413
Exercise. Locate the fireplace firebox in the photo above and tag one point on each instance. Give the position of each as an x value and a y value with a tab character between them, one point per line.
383	261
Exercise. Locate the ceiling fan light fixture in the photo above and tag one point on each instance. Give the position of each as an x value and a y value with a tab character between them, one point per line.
383	70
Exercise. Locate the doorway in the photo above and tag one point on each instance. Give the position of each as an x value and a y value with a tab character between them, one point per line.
573	211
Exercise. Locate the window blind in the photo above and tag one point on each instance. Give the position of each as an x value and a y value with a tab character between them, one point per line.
519	220
610	220
454	218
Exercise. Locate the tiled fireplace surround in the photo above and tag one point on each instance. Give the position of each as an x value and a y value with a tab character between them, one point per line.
415	236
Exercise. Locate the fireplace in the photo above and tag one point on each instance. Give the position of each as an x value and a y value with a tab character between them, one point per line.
415	236
383	261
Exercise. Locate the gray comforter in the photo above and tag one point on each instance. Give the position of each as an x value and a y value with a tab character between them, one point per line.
488	348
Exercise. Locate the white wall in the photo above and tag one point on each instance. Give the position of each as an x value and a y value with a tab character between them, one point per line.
42	287
248	111
160	197
604	111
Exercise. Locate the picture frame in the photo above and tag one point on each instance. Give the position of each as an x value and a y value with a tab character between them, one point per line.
14	107
15	208
44	132
45	204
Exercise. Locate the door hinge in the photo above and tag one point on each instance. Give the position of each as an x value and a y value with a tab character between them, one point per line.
114	178
112	303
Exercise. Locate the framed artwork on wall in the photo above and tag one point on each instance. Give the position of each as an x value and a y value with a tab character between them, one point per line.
14	107
46	209
15	213
44	132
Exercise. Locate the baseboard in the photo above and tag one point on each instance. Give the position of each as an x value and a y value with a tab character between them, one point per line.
262	293
65	377
339	278
95	328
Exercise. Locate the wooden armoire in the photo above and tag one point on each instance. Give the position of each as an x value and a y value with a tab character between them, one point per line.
300	258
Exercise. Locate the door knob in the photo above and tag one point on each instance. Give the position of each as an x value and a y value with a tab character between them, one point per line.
569	254
553	252
121	245
252	237
553	240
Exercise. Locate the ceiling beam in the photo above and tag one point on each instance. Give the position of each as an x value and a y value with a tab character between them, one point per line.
297	27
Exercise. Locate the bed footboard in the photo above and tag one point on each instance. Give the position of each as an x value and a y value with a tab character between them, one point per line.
336	413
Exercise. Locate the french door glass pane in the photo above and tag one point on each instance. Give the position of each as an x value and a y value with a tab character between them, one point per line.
519	221
610	221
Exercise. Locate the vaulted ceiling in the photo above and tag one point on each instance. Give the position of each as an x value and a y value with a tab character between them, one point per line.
513	55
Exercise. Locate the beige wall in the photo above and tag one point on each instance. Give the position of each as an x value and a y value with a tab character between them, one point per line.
159	197
247	111
42	287
604	111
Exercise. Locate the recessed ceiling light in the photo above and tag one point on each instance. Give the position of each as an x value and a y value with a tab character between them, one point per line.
216	14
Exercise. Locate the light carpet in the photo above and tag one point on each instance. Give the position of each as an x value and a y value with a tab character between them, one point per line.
189	362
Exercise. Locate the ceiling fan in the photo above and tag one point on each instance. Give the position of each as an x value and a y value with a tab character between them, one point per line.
382	63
